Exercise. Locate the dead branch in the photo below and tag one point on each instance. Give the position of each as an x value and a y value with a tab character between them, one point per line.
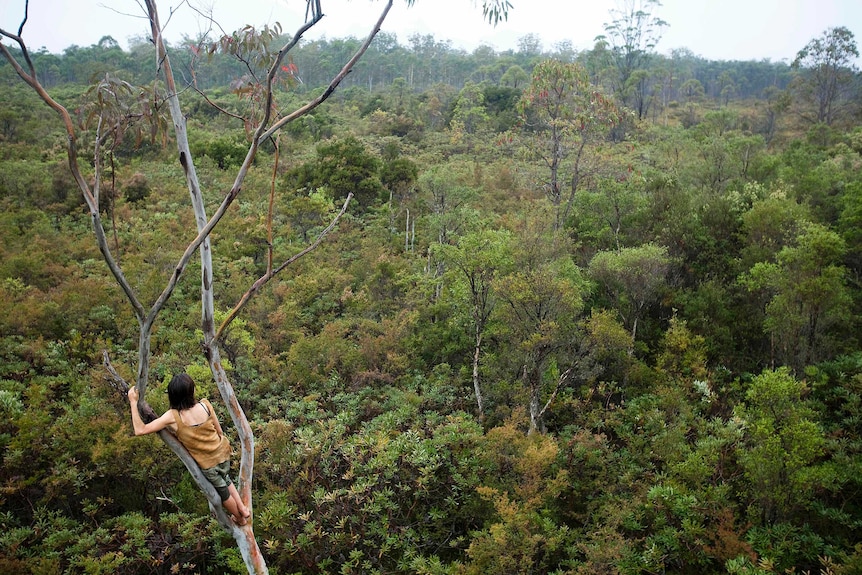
271	273
335	81
562	379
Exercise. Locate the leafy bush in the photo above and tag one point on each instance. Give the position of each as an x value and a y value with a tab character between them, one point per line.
136	188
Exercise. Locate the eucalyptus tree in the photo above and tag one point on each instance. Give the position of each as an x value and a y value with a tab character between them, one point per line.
119	110
469	114
448	202
398	175
782	444
541	302
777	103
692	93
726	154
808	300
476	260
514	77
828	73
608	214
633	34
632	278
562	114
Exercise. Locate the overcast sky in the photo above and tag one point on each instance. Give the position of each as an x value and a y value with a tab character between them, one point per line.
714	29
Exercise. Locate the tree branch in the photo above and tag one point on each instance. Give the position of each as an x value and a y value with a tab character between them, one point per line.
216	106
563	377
271	273
335	81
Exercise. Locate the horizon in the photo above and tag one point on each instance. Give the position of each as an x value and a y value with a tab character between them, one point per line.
714	30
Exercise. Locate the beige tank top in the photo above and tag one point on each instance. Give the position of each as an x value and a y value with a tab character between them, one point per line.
203	441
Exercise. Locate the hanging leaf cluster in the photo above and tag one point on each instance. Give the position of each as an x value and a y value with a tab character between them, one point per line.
119	109
255	48
250	45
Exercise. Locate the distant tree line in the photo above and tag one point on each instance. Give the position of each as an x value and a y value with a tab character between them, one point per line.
421	63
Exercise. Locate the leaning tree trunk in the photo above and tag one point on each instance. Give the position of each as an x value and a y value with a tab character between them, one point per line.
244	536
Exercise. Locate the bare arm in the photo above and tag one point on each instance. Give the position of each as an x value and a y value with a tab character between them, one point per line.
141	428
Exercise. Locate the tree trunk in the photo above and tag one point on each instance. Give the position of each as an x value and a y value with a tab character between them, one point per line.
536	424
407	233
244	537
536	412
476	351
574	184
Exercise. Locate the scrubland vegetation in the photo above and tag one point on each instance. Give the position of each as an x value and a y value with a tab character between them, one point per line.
569	324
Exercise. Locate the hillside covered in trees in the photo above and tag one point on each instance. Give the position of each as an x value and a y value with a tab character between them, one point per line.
584	314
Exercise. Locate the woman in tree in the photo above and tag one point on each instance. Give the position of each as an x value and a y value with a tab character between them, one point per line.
197	428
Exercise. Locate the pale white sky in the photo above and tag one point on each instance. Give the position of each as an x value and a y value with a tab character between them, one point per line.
714	29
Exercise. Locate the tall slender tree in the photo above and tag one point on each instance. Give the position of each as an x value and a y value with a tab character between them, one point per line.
827	72
632	278
477	259
562	115
633	34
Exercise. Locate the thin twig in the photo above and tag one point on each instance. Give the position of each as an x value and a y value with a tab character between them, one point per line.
216	106
117	381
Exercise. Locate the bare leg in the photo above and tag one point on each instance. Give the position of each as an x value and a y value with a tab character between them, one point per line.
236	507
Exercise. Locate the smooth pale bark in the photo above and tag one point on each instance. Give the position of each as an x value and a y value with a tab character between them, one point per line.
244	536
477	351
537	415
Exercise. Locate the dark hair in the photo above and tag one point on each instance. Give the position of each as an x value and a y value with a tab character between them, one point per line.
181	392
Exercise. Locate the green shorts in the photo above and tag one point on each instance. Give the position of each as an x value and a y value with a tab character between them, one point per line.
219	476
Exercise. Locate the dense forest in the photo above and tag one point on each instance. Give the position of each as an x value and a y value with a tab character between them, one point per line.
587	312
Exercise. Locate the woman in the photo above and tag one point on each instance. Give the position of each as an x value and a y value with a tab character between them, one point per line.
197	428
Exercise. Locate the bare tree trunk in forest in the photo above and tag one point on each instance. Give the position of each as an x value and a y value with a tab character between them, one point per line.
537	415
556	158
577	177
407	233
476	352
535	389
